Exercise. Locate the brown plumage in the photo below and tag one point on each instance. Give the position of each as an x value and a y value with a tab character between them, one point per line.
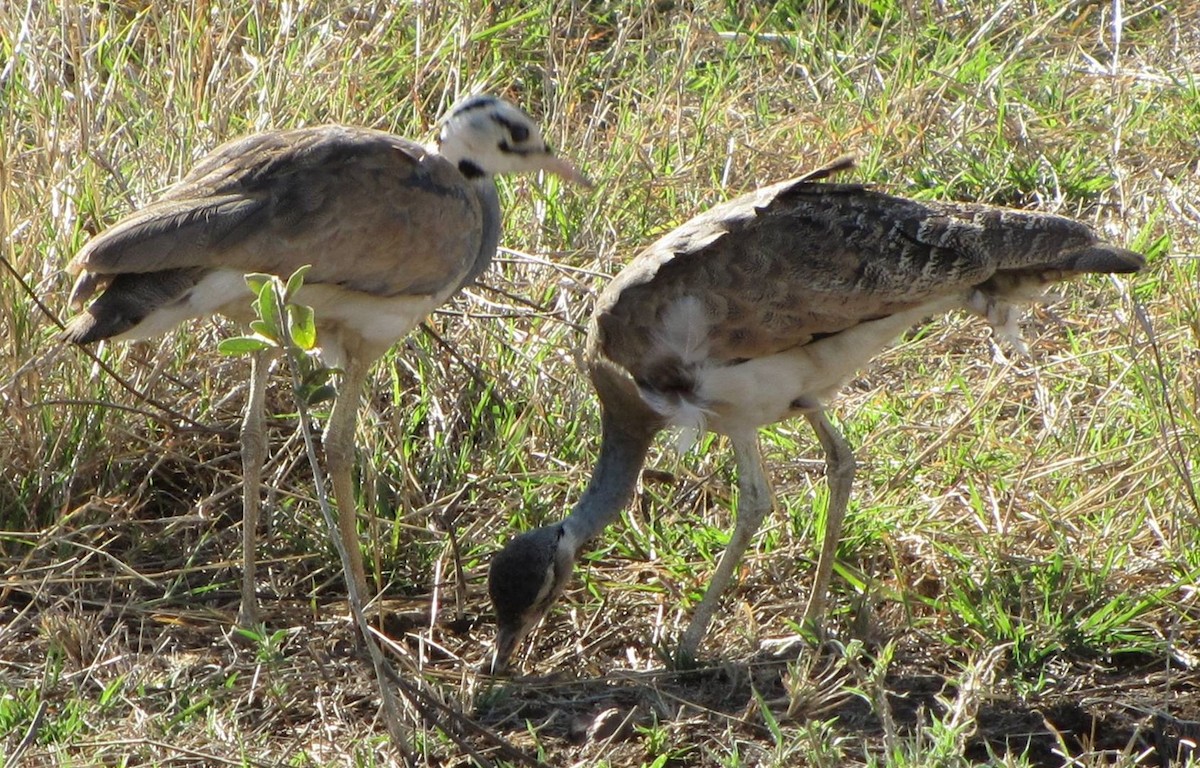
390	228
750	261
398	216
759	310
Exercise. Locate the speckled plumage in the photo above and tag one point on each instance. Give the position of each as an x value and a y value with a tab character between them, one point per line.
804	259
758	310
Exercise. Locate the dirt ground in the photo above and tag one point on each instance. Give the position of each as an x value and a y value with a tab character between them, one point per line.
314	683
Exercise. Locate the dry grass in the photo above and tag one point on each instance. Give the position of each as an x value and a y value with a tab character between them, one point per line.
1017	579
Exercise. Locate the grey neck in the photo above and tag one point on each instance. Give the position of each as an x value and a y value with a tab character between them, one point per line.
489	203
613	481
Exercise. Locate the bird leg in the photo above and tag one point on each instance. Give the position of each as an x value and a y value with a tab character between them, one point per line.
254	454
754	501
339	460
839	474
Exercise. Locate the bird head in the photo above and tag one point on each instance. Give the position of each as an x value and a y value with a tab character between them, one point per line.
485	135
525	579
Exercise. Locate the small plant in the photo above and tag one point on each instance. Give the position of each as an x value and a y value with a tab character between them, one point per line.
287	328
821	744
16	710
657	742
283	326
268	645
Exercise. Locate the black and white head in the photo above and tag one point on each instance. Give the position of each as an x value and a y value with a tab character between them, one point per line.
485	135
524	580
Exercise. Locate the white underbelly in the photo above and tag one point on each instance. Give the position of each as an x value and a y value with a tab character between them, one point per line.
221	291
738	399
343	316
378	322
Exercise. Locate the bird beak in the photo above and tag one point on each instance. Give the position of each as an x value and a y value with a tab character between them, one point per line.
565	169
506	642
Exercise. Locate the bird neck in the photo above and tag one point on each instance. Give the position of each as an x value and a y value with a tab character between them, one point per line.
489	240
613	481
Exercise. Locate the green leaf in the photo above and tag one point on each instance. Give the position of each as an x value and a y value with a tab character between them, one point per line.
318	376
256	281
492	31
269	309
321	394
243	345
295	282
768	717
262	329
111	690
302	326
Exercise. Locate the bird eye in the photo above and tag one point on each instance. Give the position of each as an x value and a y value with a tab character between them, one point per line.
519	133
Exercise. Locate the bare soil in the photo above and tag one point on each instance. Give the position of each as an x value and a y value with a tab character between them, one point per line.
316	684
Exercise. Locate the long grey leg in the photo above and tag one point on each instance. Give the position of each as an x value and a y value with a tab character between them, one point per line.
339	458
754	501
839	473
254	455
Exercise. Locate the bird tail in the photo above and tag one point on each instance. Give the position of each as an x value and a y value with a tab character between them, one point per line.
998	299
833	167
87	326
115	311
131	304
88	284
1100	258
84	328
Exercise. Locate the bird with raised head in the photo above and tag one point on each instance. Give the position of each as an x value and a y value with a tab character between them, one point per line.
759	310
391	229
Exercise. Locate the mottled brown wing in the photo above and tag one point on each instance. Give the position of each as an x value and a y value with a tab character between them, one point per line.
776	269
366	209
801	260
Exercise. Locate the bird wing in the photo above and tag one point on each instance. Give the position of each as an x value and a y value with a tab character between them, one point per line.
805	259
368	210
